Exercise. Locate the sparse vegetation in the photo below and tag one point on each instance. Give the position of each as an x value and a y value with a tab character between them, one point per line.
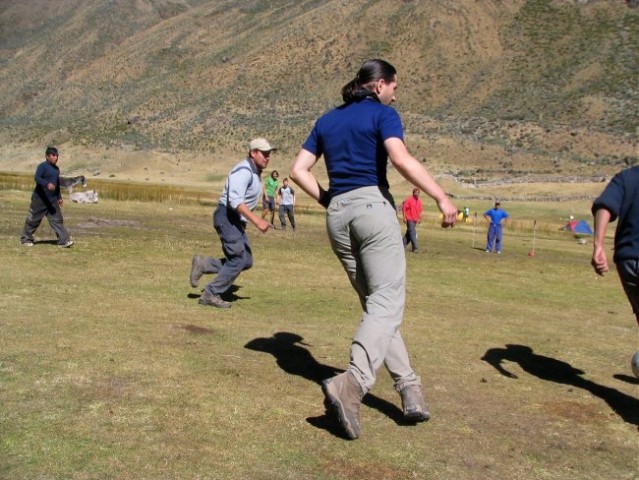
271	67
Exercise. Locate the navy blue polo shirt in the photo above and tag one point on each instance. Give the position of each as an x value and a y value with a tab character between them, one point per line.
351	139
621	199
47	173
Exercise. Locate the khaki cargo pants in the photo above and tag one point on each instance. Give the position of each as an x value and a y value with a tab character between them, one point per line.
365	235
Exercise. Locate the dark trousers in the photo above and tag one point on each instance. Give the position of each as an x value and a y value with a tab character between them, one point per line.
38	209
411	235
629	274
236	248
287	211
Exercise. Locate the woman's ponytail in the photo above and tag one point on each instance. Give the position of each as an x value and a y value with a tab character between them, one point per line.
370	72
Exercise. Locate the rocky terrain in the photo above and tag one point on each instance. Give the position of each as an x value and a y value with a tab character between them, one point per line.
171	90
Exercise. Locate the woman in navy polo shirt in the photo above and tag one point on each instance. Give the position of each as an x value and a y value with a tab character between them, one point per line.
356	139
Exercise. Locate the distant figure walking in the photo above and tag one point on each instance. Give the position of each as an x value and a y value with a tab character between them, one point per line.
286	199
46	201
412	214
495	216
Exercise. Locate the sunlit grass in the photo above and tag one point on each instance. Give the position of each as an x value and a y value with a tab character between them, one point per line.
109	369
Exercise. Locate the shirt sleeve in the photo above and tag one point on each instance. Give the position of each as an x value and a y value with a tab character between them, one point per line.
391	125
312	143
611	198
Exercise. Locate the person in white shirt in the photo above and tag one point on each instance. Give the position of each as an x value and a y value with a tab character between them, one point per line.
286	200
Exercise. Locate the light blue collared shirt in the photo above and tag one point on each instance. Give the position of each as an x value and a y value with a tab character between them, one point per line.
243	185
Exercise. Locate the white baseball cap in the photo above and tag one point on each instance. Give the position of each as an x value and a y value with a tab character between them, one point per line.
261	144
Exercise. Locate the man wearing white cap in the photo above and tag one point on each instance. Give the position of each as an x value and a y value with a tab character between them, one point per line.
241	194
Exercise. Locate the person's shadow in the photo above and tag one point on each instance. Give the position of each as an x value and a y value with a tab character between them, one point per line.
292	357
45	242
553	370
229	295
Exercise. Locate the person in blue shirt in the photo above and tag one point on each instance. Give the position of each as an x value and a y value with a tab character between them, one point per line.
620	201
46	201
496	218
356	140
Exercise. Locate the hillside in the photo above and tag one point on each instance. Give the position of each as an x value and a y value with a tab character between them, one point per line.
487	89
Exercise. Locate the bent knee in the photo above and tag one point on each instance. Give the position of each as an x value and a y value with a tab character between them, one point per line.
248	262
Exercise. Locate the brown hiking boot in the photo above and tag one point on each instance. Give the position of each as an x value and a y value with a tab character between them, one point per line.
213	300
413	404
197	270
344	395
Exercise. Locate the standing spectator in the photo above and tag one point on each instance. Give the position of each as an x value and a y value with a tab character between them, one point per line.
268	199
241	194
356	139
465	213
495	216
46	201
620	200
412	214
286	199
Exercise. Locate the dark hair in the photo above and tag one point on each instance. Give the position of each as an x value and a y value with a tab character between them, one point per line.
370	71
275	172
51	151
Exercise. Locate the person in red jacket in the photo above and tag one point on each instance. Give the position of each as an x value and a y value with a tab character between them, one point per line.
412	213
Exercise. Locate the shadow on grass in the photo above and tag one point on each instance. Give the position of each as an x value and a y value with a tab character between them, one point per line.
626	378
45	242
553	370
292	357
229	295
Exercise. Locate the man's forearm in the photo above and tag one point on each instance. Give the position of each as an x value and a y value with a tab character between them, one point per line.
247	213
602	219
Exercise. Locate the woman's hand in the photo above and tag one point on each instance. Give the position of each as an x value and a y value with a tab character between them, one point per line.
449	211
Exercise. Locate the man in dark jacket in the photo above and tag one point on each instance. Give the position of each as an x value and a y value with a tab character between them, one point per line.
46	200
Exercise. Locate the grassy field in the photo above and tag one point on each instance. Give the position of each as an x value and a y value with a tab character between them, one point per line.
109	368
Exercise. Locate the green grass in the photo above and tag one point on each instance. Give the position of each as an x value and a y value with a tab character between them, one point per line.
109	369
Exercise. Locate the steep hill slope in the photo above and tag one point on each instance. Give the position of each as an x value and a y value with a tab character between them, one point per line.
486	88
